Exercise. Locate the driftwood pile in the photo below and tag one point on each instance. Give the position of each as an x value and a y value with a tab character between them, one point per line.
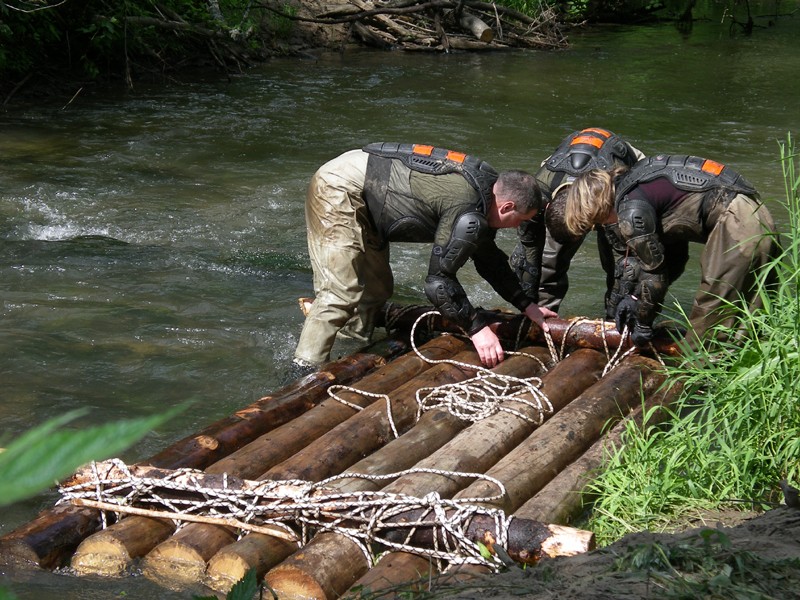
378	447
443	25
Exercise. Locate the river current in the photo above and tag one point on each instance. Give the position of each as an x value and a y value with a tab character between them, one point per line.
152	242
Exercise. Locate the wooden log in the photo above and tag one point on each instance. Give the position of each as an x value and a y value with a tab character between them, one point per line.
110	552
50	539
577	333
369	429
569	433
232	562
306	574
219	439
187	556
528	540
47	539
412	571
259	456
476	27
562	499
433	430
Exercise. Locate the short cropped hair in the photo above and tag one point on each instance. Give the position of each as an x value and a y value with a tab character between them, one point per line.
554	218
521	188
590	200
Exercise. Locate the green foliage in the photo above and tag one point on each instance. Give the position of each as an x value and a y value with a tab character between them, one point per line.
37	459
111	38
735	431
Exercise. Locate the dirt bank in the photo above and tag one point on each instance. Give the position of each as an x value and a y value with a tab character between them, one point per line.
758	558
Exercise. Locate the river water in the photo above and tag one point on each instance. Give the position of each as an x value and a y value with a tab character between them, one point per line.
152	243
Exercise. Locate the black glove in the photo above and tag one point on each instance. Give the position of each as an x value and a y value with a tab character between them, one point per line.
626	313
641	334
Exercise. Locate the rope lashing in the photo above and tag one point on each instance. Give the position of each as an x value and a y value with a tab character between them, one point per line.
298	508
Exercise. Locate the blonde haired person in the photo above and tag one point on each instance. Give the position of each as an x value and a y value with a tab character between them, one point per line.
542	257
653	211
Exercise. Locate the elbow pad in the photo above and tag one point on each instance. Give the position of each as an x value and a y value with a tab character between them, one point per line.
638	225
451	301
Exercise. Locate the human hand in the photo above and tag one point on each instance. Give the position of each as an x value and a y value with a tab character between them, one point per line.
488	346
641	335
626	311
538	314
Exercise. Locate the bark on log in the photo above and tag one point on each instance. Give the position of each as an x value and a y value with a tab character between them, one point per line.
563	438
219	439
369	429
258	457
50	539
475	449
513	328
476	27
434	429
562	499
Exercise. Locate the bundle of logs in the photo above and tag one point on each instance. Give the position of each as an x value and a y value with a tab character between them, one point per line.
366	440
443	25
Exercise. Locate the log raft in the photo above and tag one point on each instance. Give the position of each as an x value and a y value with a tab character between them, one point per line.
361	441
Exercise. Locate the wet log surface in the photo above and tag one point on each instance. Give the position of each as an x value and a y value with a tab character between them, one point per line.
50	539
516	329
252	459
475	449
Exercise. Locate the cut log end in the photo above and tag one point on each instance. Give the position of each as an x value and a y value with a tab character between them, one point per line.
567	541
106	556
291	583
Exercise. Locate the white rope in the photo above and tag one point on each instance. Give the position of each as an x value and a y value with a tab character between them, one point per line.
304	508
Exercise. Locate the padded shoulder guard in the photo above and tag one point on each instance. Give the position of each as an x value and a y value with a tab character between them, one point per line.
591	148
439	161
638	227
688	173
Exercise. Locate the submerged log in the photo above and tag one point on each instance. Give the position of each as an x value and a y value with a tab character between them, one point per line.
254	460
577	333
307	574
50	539
434	429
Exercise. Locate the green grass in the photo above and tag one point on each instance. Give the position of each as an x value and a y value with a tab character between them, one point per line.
734	432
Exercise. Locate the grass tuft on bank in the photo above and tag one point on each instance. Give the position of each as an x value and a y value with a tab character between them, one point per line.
734	432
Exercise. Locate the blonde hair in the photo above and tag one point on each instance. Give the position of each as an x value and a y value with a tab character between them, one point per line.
590	200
